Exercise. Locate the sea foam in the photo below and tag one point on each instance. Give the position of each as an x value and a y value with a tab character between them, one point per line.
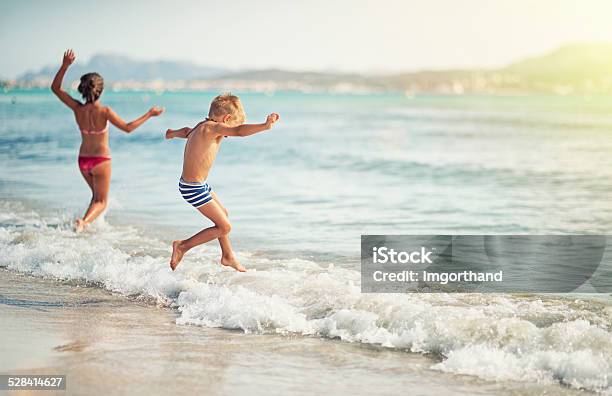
495	337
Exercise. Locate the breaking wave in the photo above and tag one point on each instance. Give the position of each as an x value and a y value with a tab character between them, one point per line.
496	337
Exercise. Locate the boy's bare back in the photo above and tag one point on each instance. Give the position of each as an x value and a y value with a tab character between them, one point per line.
203	143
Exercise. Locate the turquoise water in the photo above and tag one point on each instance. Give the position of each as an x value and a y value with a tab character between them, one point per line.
336	166
300	196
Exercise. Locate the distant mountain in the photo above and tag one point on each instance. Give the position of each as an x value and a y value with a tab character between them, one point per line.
122	68
577	68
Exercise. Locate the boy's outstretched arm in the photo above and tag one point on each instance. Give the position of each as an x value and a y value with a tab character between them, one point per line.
178	133
56	86
128	127
247	129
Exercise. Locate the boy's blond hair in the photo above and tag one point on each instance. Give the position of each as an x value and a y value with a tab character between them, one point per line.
227	104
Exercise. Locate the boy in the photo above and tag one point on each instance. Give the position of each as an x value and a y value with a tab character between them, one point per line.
225	118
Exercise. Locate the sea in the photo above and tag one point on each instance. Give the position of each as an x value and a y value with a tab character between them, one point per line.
335	167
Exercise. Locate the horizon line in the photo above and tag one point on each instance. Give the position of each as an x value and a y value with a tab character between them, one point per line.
370	72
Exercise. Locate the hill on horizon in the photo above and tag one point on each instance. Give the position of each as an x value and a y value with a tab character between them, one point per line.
573	68
114	67
577	65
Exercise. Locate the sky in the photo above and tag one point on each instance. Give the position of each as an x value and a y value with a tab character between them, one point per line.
332	35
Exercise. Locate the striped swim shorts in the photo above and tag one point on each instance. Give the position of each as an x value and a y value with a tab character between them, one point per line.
196	194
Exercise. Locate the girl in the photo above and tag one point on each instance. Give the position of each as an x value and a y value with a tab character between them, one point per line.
92	119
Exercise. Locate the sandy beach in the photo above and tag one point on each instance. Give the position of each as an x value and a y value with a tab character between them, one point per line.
102	341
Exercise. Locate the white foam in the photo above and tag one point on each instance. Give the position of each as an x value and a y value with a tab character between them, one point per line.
496	337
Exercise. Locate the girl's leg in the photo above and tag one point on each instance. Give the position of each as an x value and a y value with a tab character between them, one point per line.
101	175
88	179
79	223
212	210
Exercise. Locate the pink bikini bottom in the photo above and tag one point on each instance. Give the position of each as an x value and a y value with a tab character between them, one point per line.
86	163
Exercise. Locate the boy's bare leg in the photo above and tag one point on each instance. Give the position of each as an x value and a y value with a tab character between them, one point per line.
213	211
227	253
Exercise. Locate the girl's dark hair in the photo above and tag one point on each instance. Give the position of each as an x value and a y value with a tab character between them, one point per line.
91	87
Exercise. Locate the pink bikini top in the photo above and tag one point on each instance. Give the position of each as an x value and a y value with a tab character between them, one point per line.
103	130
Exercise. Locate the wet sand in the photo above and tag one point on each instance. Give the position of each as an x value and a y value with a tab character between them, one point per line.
110	344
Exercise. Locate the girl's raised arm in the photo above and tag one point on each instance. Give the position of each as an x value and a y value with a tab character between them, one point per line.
56	86
128	127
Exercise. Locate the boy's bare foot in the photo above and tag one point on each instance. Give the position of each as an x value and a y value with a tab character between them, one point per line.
177	254
79	225
232	262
